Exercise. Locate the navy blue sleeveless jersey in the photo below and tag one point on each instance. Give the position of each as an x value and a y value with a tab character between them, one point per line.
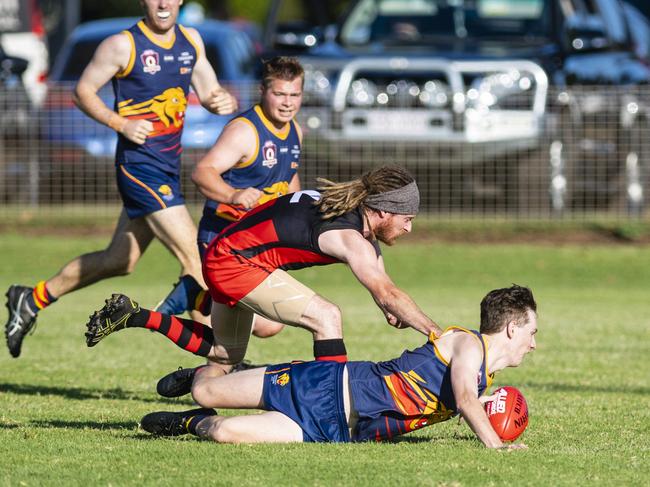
406	393
154	86
274	163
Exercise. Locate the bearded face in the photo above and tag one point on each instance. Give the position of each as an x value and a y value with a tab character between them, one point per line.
393	226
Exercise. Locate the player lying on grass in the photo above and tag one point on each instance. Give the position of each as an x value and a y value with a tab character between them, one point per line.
326	401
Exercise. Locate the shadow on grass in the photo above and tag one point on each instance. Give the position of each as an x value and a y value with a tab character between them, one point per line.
81	425
566	387
85	393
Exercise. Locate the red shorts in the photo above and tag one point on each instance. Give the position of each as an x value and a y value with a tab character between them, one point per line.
230	277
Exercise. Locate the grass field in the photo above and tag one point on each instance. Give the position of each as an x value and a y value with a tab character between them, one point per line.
69	415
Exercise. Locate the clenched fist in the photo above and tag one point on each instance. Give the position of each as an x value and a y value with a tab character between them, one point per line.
221	102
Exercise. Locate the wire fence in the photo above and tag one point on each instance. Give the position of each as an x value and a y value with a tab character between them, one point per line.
582	155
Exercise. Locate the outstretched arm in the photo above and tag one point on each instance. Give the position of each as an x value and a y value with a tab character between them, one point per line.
466	359
350	247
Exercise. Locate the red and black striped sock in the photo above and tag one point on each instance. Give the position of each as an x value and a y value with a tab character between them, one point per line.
333	349
189	335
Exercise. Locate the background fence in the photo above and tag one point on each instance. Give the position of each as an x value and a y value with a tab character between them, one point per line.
585	156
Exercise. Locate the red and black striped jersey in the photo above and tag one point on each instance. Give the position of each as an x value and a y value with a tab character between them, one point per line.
283	233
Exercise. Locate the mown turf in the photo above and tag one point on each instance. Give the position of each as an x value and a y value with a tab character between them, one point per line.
69	414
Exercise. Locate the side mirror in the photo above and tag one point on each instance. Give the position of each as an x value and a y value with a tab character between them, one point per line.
586	33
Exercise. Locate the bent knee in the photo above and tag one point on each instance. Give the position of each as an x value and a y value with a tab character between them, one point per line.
266	330
330	317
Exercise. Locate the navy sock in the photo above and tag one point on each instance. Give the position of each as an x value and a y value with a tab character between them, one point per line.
193	421
182	297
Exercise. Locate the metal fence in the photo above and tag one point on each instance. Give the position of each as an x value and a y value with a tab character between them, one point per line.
583	155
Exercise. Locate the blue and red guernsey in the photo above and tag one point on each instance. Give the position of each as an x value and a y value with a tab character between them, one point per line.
274	163
406	393
280	234
154	86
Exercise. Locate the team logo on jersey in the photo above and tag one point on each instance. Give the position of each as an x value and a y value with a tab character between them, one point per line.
269	153
280	380
150	61
167	110
166	192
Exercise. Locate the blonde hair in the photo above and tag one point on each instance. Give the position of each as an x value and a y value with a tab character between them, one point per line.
339	198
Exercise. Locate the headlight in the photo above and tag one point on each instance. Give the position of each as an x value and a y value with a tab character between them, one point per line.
362	93
503	90
434	94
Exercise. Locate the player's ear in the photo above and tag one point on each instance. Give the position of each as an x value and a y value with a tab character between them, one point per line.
510	328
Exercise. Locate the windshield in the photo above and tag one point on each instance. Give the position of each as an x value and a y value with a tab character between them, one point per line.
413	21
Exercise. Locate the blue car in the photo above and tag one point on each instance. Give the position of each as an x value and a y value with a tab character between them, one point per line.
230	48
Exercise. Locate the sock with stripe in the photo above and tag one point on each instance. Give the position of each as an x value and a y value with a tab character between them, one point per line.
333	349
203	303
193	421
189	335
40	297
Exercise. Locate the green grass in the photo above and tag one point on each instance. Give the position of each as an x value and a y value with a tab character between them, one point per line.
69	414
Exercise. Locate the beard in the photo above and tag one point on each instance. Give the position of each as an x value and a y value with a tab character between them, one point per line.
384	236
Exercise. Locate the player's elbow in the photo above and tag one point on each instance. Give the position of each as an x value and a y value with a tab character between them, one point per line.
76	97
80	94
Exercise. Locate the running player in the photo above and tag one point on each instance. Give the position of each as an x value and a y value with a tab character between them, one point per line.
367	401
255	159
152	66
245	269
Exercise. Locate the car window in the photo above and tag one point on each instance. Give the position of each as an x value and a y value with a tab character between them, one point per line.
411	20
612	11
79	56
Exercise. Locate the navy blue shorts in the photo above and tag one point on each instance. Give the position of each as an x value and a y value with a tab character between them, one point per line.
310	393
145	189
209	227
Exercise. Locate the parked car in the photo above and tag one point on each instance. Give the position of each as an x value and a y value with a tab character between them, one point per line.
485	82
22	35
14	103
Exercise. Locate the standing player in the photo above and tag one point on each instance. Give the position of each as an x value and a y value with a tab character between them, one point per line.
151	65
254	160
245	269
367	401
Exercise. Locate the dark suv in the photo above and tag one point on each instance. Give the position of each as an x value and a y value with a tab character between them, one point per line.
477	82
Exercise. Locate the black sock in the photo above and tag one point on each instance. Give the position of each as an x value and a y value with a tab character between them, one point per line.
192	422
333	349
